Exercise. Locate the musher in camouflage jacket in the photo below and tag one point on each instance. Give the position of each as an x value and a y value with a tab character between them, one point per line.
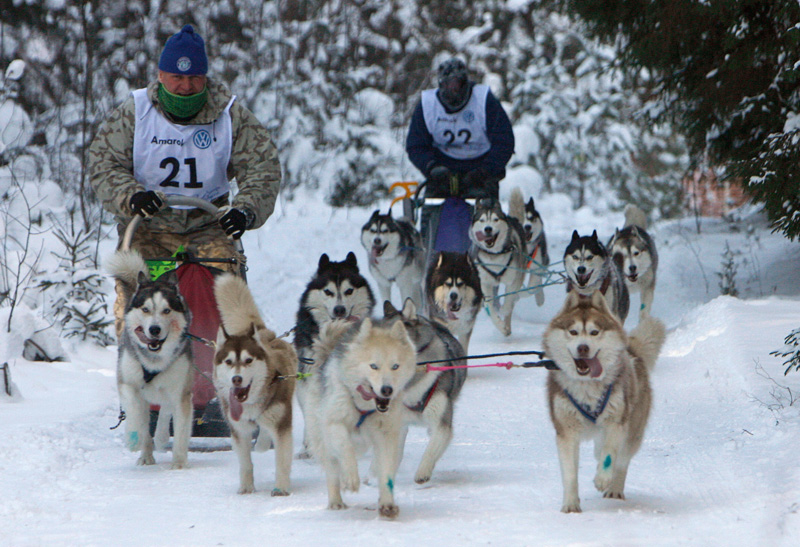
184	102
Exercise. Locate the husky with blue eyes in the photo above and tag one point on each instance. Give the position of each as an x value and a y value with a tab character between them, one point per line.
355	401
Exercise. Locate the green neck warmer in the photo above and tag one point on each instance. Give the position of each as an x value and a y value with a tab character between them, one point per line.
181	106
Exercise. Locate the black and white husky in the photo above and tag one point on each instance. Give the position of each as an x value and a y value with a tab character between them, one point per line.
498	252
395	254
154	363
535	241
336	292
453	294
590	268
634	253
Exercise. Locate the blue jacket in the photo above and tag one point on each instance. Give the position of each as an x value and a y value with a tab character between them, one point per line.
422	153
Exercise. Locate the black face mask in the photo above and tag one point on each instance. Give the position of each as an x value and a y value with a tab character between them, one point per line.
454	93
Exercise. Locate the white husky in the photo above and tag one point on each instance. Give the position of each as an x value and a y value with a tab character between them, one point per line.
357	398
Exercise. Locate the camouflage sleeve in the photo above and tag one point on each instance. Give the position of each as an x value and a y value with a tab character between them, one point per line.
255	164
111	161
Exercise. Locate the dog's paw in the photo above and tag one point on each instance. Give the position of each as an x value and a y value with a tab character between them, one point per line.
146	459
337	506
571	507
179	464
350	480
304	455
422	476
279	492
614	495
602	480
246	489
389	510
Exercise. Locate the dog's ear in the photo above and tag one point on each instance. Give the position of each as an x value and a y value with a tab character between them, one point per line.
635	230
324	261
594	235
222	336
388	309
572	301
365	328
251	332
409	310
440	261
375	214
170	277
575	236
143	278
399	331
351	260
599	302
530	202
389	213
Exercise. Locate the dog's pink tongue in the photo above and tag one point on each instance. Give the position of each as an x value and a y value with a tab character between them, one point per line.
480	236
366	395
235	404
595	368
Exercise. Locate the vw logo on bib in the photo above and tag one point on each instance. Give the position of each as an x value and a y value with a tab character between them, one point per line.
469	116
201	138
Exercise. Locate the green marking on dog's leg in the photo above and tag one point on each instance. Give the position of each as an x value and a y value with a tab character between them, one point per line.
607	462
390	484
642	306
133	439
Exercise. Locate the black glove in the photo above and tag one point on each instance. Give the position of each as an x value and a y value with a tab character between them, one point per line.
236	221
439	179
479	183
145	203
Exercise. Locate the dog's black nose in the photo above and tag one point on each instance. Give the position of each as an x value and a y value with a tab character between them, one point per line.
236	381
581	270
487	230
583	350
386	391
377	241
632	268
154	330
453	296
339	311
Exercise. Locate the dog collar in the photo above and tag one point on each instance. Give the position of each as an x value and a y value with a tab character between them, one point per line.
364	414
589	413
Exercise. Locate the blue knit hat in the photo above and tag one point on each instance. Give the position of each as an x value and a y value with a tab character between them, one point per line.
184	53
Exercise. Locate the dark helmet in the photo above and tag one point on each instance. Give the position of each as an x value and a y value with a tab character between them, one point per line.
454	87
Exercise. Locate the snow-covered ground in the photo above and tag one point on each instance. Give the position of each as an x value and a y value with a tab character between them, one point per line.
717	467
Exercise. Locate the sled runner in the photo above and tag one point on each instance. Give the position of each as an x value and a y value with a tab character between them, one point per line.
196	285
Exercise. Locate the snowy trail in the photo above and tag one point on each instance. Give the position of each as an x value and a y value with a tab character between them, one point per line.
718	467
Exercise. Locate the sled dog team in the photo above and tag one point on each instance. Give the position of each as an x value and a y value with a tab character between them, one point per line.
365	387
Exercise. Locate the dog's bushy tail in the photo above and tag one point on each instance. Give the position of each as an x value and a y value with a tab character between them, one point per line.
516	205
635	217
329	337
646	339
125	266
237	308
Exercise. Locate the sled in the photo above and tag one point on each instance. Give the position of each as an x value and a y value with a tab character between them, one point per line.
196	285
443	222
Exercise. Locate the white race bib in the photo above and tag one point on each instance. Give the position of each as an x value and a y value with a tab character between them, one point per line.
461	135
181	160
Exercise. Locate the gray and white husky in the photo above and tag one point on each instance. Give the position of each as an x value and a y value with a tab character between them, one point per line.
589	268
634	252
453	294
535	241
336	292
254	375
154	363
356	401
430	396
395	254
498	252
600	391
